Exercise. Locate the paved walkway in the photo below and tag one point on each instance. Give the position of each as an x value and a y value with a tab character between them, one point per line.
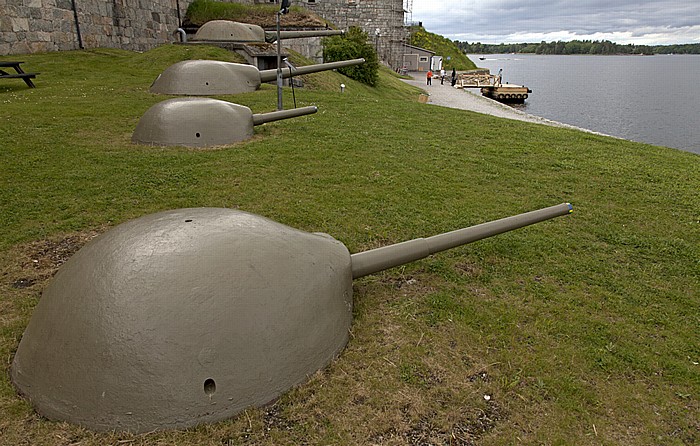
471	99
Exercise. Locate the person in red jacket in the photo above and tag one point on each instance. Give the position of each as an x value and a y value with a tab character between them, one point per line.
430	77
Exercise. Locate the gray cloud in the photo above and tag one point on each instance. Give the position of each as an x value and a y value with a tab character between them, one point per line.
623	21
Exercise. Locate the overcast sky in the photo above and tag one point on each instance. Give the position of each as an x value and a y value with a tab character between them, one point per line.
652	22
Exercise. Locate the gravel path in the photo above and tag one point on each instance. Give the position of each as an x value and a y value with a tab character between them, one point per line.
471	99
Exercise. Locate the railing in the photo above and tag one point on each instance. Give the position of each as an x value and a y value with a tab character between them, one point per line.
467	80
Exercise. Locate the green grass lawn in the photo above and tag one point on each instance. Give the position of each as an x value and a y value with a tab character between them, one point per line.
580	330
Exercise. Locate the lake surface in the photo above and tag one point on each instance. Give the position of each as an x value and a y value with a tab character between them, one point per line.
652	99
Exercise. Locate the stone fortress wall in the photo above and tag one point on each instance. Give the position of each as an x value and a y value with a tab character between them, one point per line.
382	20
30	26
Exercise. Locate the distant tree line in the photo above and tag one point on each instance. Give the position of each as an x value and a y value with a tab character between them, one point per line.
576	47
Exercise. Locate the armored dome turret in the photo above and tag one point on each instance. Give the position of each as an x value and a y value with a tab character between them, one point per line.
230	31
214	77
203	122
193	315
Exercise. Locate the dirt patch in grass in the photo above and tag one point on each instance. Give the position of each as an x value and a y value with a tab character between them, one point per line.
466	431
274	419
39	260
294	19
29	267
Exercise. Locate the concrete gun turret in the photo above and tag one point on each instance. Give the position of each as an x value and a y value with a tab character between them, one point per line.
230	31
203	122
193	315
214	77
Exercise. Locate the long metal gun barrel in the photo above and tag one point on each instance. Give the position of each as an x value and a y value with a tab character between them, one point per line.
270	75
271	36
261	118
386	257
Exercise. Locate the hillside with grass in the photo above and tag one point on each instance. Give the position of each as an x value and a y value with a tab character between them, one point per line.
201	11
580	330
443	47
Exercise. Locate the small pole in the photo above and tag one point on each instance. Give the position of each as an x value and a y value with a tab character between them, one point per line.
284	8
291	78
77	25
179	18
279	64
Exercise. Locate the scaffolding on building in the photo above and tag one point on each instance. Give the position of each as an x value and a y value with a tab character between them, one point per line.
407	22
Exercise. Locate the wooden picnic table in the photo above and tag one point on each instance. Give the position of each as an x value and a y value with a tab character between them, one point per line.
19	73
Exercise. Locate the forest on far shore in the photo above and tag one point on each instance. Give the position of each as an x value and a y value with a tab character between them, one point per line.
576	47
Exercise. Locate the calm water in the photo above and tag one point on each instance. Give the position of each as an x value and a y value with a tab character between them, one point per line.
652	99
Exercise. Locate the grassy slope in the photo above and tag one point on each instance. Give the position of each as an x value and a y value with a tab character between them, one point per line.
201	11
582	330
443	47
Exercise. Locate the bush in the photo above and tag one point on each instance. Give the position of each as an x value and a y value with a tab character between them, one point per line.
354	44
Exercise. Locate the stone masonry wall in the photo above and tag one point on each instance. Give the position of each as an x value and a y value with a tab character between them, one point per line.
29	26
309	47
382	20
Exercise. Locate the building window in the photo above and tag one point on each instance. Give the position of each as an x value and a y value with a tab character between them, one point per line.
423	59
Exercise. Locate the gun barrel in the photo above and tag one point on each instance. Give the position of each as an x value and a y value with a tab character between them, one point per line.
261	118
270	75
386	257
271	36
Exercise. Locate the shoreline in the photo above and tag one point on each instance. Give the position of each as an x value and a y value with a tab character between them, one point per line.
447	96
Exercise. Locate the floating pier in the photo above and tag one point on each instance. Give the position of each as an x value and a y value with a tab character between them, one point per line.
506	93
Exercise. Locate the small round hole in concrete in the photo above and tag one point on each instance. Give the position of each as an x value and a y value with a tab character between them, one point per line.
206	83
209	386
197	134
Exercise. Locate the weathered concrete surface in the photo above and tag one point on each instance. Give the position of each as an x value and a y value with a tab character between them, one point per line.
194	122
206	78
227	30
203	122
184	317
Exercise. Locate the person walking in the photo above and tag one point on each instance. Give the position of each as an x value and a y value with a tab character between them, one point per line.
454	76
429	77
442	76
